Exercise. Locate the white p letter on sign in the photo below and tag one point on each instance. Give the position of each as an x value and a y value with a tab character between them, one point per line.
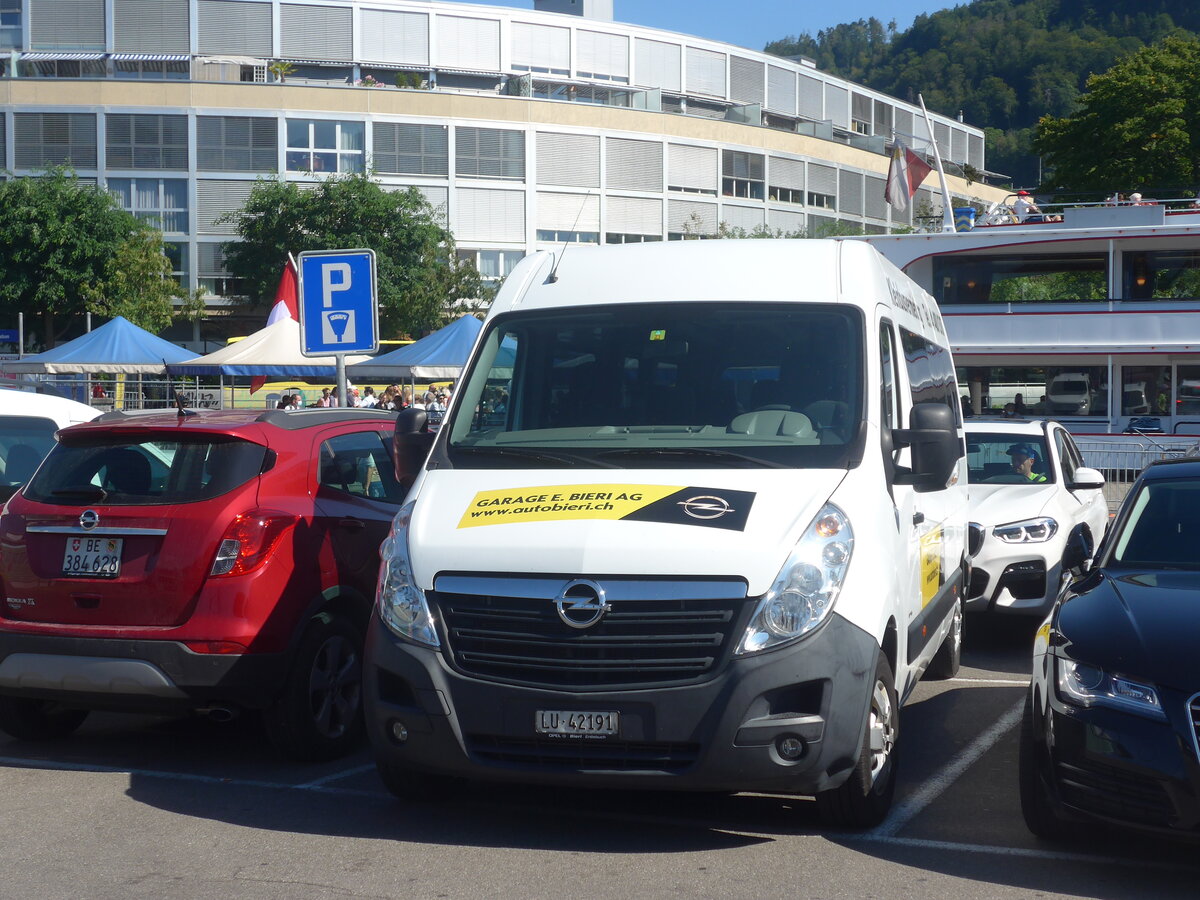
329	286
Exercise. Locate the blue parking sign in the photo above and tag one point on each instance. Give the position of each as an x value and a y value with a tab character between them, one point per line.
339	309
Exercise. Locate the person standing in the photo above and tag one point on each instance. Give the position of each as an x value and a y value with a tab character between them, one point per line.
369	400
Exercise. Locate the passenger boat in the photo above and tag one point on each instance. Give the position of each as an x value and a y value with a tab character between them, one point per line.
1092	319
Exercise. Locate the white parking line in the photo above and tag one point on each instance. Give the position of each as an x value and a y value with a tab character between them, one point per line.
336	776
996	682
933	788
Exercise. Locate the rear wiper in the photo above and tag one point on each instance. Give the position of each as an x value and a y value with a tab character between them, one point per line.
694	452
89	493
569	459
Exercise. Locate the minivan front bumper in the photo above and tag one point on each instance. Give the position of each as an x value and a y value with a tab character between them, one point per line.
721	734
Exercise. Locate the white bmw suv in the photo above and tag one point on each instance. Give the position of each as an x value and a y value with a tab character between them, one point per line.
1027	488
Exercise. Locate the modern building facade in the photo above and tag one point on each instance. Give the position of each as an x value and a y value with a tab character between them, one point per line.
526	128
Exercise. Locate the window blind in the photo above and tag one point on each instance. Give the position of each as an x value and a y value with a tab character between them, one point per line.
837	105
568	159
315	32
657	65
394	37
692	168
850	192
541	47
812	98
633	215
472	44
781	90
69	24
689	217
786	173
602	54
411	149
747	218
705	72
157	25
239	29
482	215
214	199
237	144
633	165
568	212
746	80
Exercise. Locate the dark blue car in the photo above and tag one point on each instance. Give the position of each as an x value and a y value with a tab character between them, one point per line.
1112	723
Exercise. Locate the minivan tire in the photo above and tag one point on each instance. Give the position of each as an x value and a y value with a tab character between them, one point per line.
319	713
948	659
864	799
38	720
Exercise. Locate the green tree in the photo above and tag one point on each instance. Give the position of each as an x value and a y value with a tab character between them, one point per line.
1137	125
419	275
68	248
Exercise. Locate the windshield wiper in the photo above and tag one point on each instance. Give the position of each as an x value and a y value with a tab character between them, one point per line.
567	459
88	493
693	453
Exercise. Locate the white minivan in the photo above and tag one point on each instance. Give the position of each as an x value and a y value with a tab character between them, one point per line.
28	421
695	520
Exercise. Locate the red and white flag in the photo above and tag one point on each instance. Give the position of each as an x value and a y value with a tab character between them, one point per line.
286	307
905	174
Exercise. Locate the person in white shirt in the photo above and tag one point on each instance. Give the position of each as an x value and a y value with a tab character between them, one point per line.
369	399
1025	209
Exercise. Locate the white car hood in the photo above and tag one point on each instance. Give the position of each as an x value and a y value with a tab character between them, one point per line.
999	504
636	522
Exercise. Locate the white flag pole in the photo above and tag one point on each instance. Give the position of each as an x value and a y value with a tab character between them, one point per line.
947	203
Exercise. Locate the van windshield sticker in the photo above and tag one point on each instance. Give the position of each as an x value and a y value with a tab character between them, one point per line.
668	504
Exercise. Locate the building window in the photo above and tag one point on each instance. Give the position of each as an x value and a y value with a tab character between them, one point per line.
614	238
160	202
742	174
489	153
55	139
177	253
411	149
10	24
823	201
65	68
568	237
237	144
146	142
786	195
320	146
493	265
1161	275
152	70
212	274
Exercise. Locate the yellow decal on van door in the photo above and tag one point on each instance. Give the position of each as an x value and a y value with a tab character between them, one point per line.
668	504
931	565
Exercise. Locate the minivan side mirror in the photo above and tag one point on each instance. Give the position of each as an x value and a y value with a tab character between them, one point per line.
936	447
410	444
1086	479
1077	554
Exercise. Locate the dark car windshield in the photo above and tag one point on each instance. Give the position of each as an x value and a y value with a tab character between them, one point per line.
990	462
1162	530
123	470
24	440
668	385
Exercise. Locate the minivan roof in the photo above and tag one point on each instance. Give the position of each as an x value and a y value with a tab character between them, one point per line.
60	410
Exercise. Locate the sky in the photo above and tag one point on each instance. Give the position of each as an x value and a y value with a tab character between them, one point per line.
755	23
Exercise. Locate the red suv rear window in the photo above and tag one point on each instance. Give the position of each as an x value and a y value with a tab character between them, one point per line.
123	470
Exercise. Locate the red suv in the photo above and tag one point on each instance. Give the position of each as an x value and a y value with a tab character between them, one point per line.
215	561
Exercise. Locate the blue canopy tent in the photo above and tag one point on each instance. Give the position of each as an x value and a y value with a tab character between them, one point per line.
118	347
439	355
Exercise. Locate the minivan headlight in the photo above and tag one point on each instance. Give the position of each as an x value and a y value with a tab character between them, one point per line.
807	586
1083	684
402	604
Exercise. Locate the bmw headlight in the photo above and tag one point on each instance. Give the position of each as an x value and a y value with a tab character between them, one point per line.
1030	531
1083	684
807	586
400	602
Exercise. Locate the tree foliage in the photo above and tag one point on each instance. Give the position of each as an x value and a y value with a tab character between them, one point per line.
1003	63
1138	125
68	248
417	269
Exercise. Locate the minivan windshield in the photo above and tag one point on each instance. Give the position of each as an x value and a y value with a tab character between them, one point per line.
670	385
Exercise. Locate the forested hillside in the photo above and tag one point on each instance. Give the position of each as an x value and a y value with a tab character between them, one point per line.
1003	63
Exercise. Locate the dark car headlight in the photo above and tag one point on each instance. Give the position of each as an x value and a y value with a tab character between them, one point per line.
1083	684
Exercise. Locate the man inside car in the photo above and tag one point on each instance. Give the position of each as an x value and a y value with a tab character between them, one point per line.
1023	458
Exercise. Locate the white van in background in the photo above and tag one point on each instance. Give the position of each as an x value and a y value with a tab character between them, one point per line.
28	421
695	520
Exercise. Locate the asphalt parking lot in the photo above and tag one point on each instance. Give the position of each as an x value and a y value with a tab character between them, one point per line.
135	807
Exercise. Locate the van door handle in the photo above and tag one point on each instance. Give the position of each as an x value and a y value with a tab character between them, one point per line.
351	523
918	518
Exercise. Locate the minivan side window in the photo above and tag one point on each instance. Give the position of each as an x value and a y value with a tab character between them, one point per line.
930	372
887	367
359	464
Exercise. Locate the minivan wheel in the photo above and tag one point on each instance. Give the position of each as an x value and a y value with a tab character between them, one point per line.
946	661
318	715
38	720
863	799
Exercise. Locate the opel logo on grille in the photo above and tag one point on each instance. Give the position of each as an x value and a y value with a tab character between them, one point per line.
89	519
581	604
705	507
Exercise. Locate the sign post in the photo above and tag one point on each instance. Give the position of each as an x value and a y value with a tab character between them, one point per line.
339	307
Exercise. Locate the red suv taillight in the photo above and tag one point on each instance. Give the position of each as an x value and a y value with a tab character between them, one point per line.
249	541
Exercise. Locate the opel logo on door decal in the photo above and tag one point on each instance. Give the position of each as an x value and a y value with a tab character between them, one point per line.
89	519
581	604
706	507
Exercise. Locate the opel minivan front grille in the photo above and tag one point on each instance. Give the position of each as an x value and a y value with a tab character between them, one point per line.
654	631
